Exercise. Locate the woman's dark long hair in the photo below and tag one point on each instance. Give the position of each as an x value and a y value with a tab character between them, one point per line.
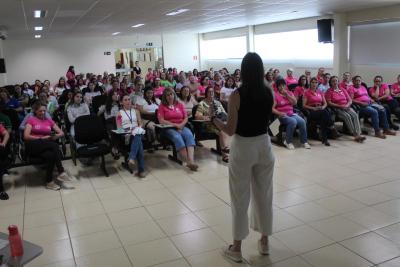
252	75
109	102
153	98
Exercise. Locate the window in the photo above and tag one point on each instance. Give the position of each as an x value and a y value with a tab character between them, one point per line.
295	46
225	48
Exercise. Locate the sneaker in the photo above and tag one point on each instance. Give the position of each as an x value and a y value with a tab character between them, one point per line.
306	146
235	256
141	174
288	146
53	186
389	132
131	163
192	166
64	177
263	248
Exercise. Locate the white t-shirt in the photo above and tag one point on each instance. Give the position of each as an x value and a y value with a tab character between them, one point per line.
227	92
152	107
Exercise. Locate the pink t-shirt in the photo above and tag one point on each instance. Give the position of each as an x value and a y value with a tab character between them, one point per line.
2	130
202	90
396	88
339	97
382	90
159	91
345	85
360	94
40	128
175	115
298	91
314	99
282	104
320	79
290	80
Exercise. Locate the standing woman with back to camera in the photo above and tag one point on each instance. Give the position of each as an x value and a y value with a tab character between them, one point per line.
251	162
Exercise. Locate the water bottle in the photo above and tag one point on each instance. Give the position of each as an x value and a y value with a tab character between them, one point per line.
14	238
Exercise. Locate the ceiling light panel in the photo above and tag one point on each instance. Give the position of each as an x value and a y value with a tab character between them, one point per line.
38	28
138	25
177	12
39	13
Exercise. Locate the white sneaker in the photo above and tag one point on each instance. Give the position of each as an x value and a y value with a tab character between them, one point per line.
64	177
306	146
263	248
288	146
53	186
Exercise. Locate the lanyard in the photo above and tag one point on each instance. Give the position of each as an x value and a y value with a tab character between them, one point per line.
130	117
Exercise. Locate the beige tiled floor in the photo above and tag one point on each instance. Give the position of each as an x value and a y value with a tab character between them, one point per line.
336	206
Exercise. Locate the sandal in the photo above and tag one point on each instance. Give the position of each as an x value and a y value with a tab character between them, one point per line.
226	150
235	256
225	158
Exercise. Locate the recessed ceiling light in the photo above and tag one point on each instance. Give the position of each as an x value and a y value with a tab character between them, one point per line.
138	25
39	28
179	11
38	36
39	13
115	33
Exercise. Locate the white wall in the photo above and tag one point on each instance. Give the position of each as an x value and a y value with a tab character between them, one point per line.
181	51
42	59
375	15
3	77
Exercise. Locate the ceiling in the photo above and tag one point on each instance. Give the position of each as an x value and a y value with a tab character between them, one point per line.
78	18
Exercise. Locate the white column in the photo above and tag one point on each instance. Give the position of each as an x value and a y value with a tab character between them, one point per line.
250	38
341	39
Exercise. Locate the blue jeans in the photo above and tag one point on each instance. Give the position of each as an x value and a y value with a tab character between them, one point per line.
378	117
291	123
137	151
181	139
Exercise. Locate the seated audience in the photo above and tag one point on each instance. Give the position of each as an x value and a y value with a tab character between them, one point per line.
290	79
301	87
269	79
308	76
129	120
346	82
181	82
283	109
124	90
320	76
238	81
10	102
314	102
27	90
163	79
380	92
149	75
60	87
194	85
110	111
22	97
207	109
368	108
172	112
227	90
4	137
40	137
148	107
187	100
76	109
158	89
340	101
324	85
89	92
395	90
218	80
205	82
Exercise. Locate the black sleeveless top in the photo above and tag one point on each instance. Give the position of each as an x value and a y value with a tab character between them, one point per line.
254	115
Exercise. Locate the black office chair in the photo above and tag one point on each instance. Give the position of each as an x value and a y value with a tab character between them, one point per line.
15	134
97	101
90	132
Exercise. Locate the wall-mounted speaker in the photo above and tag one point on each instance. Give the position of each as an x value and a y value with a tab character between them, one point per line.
325	30
2	65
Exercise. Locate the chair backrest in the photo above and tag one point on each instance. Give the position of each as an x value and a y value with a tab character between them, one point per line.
14	118
89	129
97	101
194	110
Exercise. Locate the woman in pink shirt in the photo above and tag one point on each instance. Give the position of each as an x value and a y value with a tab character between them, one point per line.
368	108
346	82
338	99
301	87
158	89
395	90
172	112
380	92
40	135
314	102
283	108
290	79
149	76
70	75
